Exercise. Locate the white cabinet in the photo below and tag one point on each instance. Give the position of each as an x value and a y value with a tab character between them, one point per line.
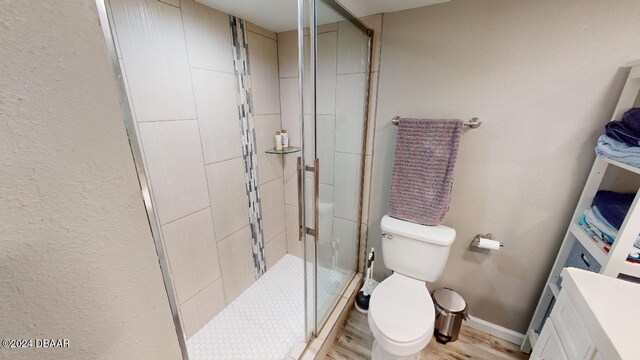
563	336
572	333
548	346
594	318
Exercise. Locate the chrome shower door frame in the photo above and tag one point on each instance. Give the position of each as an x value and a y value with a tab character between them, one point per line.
315	168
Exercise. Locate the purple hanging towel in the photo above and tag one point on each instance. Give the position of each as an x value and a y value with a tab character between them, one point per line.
425	157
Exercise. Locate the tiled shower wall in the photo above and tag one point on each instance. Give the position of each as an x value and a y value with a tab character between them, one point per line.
179	74
342	79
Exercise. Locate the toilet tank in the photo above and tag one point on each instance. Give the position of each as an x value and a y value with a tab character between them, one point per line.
414	250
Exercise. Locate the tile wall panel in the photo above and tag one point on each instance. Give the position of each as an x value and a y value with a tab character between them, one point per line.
193	255
346	188
215	96
176	167
208	36
261	31
288	54
352	49
202	307
155	56
326	73
263	62
236	263
289	105
326	128
275	249
345	233
350	113
294	246
228	196
290	180
273	213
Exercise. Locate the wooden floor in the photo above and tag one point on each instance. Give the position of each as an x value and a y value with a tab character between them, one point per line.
355	340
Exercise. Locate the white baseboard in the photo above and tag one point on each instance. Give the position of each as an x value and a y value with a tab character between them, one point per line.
498	331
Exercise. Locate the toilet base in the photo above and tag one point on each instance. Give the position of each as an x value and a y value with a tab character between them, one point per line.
379	353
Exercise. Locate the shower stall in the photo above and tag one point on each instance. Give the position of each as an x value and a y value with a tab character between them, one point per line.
257	244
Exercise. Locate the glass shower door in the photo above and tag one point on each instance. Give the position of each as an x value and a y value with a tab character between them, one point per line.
336	50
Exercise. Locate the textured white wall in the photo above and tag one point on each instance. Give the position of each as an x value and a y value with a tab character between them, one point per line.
544	77
77	258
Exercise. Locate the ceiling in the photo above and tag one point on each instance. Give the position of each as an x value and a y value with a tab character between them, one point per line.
281	15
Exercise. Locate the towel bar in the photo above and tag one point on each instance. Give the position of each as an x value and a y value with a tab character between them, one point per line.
473	123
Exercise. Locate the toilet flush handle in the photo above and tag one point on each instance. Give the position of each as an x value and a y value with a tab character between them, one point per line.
387	236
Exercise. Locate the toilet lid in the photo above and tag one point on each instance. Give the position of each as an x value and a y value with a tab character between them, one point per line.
402	309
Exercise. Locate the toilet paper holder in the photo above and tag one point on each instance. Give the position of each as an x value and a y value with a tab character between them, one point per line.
476	240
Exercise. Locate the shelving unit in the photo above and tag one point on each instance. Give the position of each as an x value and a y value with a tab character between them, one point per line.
614	262
287	150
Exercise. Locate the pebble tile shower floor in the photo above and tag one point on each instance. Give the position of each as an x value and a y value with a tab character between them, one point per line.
267	320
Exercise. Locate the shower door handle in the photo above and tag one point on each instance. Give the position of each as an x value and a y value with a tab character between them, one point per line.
300	176
316	195
315	232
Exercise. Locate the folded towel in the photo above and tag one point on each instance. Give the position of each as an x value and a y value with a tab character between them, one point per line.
597	215
634	254
607	234
619	132
631	119
601	229
613	206
589	228
627	130
423	165
617	150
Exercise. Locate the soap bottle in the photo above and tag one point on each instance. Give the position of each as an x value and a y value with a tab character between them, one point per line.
278	140
285	138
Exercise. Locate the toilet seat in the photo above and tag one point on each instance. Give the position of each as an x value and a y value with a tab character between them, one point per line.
401	315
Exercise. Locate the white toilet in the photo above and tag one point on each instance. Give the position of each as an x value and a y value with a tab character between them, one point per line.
401	312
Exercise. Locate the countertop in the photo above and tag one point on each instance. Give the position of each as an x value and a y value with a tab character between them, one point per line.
610	309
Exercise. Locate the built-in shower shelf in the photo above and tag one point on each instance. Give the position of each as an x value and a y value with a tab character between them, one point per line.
287	150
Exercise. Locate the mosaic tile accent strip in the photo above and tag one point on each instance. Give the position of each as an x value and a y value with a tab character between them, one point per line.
247	126
267	320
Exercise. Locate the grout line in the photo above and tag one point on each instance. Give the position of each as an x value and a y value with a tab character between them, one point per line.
349	153
272	180
173	6
341	218
233	233
184	216
205	69
264	36
353	73
281	232
165	120
201	290
220	161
